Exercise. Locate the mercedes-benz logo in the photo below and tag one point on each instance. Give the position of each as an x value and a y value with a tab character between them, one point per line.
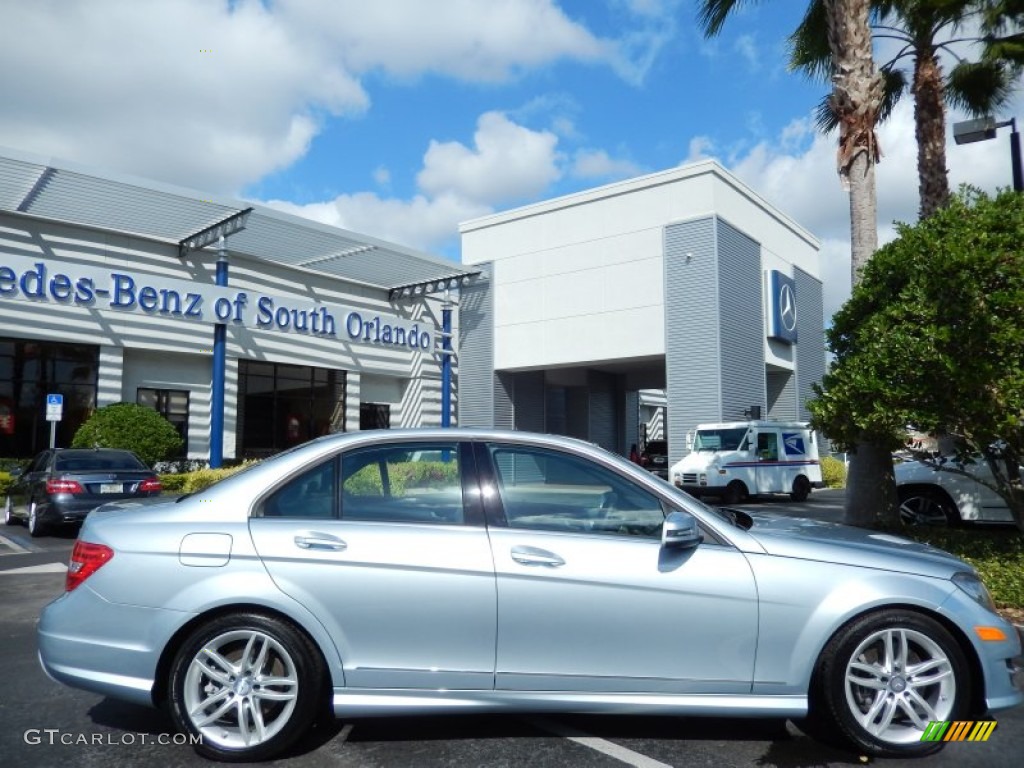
787	307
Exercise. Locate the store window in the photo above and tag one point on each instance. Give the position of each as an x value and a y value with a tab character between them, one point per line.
374	416
172	404
29	371
283	405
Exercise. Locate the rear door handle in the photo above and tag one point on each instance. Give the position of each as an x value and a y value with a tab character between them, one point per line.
320	542
535	556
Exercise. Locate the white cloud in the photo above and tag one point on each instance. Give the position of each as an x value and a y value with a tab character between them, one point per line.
746	47
598	164
217	95
507	162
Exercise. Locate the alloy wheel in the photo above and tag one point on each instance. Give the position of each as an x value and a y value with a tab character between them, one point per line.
897	681
241	689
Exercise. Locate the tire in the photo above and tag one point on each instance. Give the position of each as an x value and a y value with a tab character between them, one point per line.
734	493
217	692
9	518
927	506
36	527
864	691
801	489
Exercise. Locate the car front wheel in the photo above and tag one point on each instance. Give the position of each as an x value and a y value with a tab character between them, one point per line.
884	677
249	685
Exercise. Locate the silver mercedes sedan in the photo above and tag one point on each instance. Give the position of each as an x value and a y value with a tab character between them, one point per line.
432	571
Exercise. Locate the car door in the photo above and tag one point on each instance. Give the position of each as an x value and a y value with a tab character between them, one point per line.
384	547
589	600
769	467
31	481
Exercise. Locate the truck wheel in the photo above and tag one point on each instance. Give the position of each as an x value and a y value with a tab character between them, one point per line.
734	493
801	489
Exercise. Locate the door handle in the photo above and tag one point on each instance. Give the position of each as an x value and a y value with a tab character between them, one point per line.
535	556
320	542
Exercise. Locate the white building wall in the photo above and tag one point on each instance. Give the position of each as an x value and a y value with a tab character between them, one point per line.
136	347
581	278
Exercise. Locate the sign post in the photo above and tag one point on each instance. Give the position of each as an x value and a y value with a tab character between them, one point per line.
54	413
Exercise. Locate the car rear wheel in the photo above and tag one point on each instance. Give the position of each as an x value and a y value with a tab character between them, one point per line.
9	518
35	525
248	684
884	677
925	506
801	489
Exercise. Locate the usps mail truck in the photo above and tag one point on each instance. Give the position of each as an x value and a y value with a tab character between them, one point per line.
736	460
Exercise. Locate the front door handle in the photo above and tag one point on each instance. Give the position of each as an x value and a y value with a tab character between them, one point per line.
320	542
535	556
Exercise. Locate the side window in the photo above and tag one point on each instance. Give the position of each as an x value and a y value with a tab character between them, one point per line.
311	494
40	463
403	482
768	446
552	491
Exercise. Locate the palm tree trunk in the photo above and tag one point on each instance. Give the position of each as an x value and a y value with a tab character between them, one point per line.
856	99
930	129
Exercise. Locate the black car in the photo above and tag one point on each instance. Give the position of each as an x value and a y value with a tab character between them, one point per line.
61	486
655	458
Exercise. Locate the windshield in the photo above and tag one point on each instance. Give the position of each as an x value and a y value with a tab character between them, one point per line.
719	439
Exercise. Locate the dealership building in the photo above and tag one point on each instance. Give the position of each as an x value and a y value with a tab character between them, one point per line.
252	330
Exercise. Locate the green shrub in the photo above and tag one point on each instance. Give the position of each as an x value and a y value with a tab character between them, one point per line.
204	478
5	483
174	483
402	476
998	554
130	427
833	472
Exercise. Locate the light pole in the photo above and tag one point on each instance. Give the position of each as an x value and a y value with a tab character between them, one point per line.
984	128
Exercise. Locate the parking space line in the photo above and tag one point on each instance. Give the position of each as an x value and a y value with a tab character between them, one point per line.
42	568
605	747
12	544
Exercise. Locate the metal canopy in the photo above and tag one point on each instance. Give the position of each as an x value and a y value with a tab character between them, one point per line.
56	190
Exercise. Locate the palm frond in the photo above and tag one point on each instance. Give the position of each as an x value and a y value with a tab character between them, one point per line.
980	88
809	51
712	14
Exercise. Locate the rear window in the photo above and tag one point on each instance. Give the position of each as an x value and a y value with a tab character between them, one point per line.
657	446
98	461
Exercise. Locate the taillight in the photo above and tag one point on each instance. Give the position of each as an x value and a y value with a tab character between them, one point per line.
150	485
64	486
86	559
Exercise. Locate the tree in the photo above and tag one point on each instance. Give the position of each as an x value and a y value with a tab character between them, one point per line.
932	339
922	29
131	427
856	101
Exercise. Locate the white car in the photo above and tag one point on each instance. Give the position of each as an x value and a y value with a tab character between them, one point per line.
933	496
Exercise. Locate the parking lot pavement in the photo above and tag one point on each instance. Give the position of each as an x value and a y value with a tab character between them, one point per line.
823	504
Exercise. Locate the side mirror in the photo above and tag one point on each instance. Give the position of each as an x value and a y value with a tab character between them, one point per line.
680	530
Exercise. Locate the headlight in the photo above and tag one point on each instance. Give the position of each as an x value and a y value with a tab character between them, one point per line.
973	586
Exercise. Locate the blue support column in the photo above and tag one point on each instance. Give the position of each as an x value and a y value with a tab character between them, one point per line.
446	365
219	370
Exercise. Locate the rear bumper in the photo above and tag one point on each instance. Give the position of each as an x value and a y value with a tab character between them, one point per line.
107	648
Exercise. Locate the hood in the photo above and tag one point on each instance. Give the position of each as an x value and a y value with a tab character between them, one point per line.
807	539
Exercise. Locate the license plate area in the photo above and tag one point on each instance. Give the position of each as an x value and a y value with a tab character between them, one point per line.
111	488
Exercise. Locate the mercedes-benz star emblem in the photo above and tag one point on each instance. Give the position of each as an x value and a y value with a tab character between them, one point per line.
787	307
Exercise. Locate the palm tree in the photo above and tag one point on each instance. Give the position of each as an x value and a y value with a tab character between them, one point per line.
856	101
922	29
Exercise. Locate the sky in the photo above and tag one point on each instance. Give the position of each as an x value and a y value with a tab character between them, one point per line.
401	118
